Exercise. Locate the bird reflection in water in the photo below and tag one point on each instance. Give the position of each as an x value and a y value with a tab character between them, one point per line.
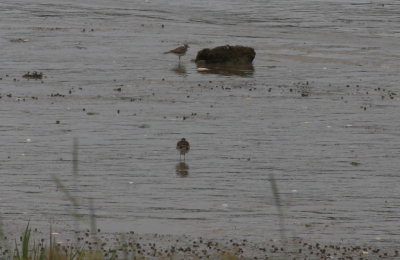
182	169
180	69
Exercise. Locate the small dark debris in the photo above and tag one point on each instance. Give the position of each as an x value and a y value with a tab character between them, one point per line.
33	75
57	95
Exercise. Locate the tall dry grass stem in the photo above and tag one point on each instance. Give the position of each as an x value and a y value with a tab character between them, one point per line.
279	208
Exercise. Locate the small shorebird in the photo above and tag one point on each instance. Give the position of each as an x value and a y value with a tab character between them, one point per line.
180	51
183	147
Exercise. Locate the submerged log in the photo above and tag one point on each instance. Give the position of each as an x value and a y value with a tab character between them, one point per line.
226	55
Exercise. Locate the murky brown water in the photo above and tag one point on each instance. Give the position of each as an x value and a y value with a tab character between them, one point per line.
333	151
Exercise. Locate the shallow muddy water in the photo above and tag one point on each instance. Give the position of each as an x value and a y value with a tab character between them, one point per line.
319	112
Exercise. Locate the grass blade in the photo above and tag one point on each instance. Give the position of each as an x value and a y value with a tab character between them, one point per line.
25	242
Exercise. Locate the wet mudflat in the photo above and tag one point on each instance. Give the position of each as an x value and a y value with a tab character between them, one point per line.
319	112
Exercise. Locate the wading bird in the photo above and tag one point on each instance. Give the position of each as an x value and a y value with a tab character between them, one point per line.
183	147
180	51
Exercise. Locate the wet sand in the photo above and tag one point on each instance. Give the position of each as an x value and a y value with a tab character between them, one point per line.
129	245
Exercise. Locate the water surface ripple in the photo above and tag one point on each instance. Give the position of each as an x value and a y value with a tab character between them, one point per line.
320	113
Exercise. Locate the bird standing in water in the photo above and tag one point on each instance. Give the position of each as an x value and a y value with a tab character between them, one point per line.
183	147
180	51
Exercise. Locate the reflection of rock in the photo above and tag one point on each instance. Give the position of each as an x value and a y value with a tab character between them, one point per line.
179	69
233	55
182	169
243	70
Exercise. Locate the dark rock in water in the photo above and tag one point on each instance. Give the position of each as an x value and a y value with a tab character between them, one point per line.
226	60
226	55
